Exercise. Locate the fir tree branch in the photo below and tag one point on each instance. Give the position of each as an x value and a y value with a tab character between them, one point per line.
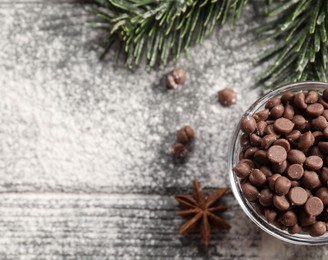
299	29
156	30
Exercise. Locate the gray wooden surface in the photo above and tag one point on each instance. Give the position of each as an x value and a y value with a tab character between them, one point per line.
85	170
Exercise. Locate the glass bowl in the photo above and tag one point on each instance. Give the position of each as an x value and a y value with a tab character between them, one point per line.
233	158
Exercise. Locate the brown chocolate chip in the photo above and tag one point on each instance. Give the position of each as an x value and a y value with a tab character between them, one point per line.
283	143
176	77
227	96
323	146
313	162
244	140
324	175
287	97
272	180
281	202
282	186
295	183
305	219
322	193
325	114
262	115
269	130
248	161
297	196
260	157
288	218
323	102
280	167
283	125
306	141
249	153
179	151
325	95
277	154
270	215
272	102
294	229
242	169
186	134
318	229
300	122
257	178
299	101
255	140
250	192
313	206
296	156
293	136
277	111
311	97
289	111
318	137
268	140
266	197
295	171
311	180
261	125
315	110
325	132
319	123
266	170
248	124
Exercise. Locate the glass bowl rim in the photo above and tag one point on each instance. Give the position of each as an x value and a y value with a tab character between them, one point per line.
270	229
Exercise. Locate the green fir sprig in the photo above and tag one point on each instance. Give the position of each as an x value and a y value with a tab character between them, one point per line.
158	30
297	31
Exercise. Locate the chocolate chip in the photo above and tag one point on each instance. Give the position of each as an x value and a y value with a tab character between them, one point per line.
283	125
227	96
311	97
297	196
250	192
288	218
268	140
318	229
266	197
305	219
306	141
323	146
260	157
272	102
316	151
311	180
283	143
319	123
313	162
248	124
318	137
293	136
323	102
299	122
315	109
295	171
289	112
266	170
281	202
299	101
277	154
324	175
270	215
280	167
244	140
269	130
325	132
176	77
322	193
325	114
295	183
242	169
296	156
249	153
272	180
179	151
255	140
288	96
262	115
313	206
186	135
277	111
325	95
282	186
261	125
294	229
257	178
249	162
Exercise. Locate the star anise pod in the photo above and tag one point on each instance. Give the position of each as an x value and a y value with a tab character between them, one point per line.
202	209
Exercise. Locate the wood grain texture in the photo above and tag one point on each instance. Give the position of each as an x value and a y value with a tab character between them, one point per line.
85	166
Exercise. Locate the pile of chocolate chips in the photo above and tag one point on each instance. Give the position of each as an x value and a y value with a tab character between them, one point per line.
283	165
185	138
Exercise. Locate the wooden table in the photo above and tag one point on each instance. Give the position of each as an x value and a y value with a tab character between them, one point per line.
85	169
